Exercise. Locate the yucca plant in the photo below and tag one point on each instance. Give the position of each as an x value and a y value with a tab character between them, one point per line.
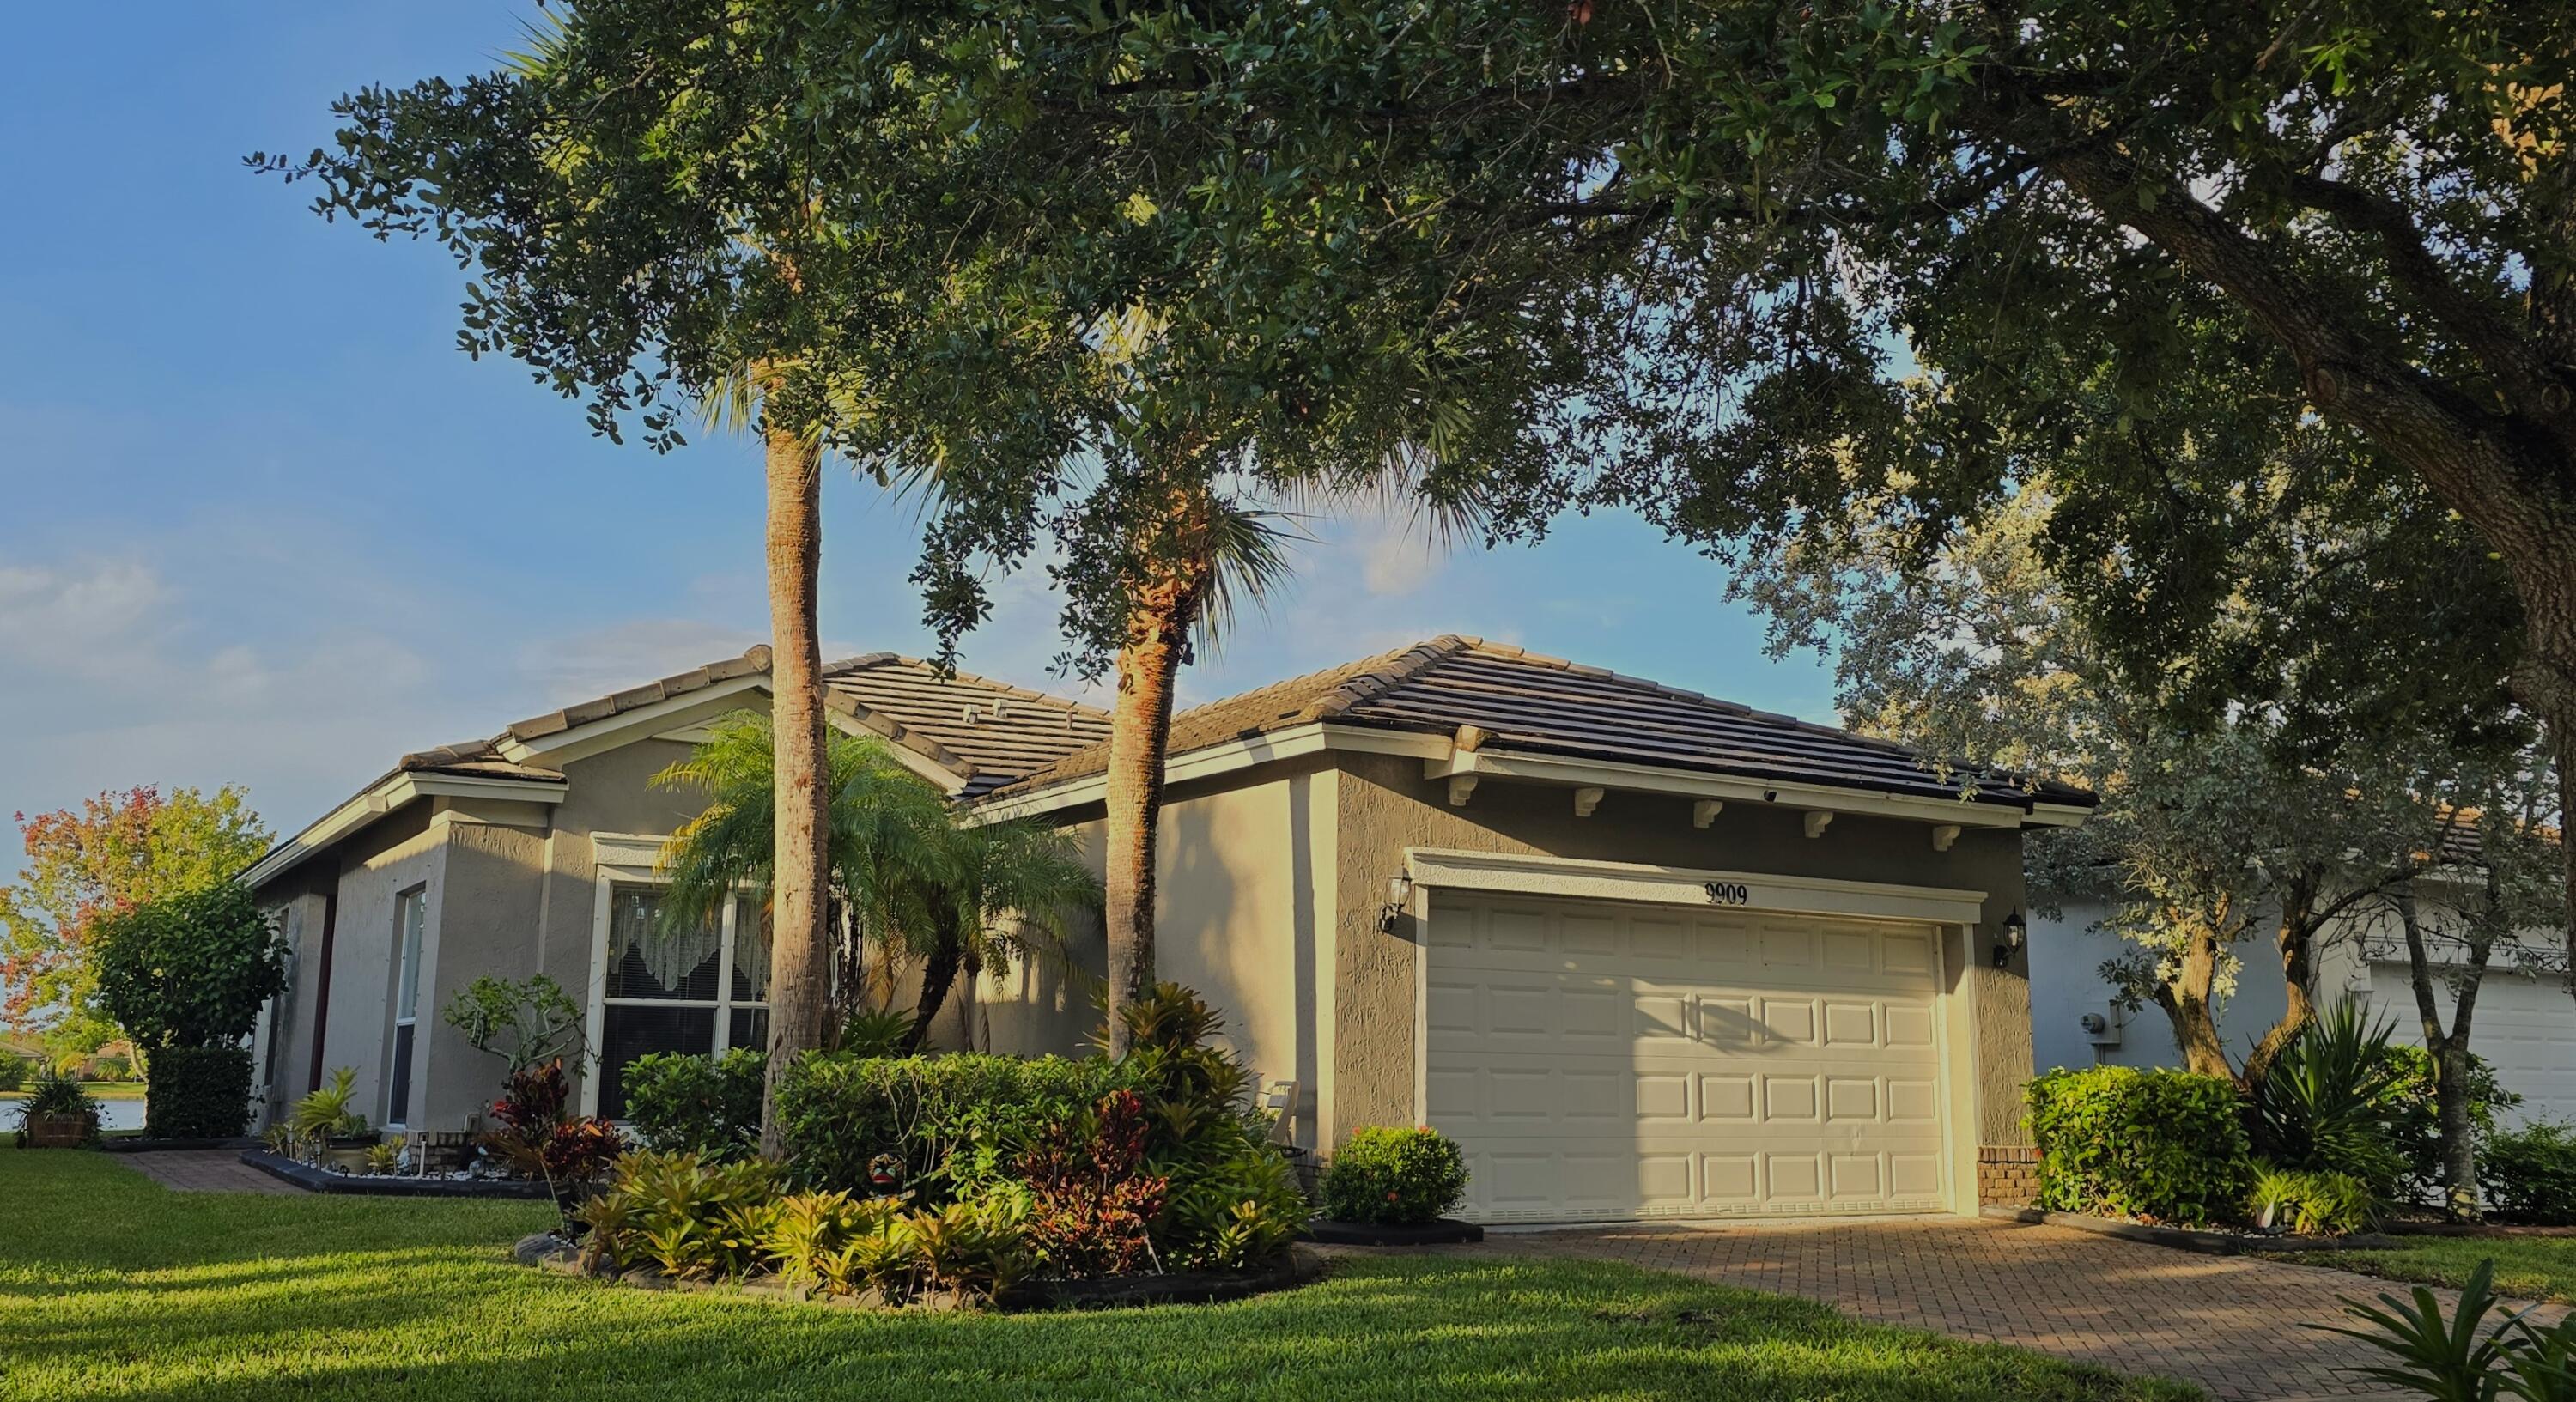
2326	1103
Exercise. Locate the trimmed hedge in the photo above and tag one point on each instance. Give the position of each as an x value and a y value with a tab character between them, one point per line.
957	1121
2530	1174
685	1104
2167	1146
197	1093
1383	1174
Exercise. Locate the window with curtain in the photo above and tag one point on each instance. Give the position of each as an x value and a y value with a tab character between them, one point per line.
695	991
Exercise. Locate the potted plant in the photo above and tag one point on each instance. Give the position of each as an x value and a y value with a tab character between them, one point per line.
58	1114
334	1135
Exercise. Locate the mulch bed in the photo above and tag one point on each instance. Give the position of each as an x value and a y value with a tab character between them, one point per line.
323	1180
1298	1266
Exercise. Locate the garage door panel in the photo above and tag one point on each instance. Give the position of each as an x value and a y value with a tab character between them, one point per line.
2523	1026
1599	1061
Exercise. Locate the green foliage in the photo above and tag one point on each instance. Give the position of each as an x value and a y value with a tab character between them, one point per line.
2312	1203
14	1070
2530	1173
198	1093
958	1122
2328	1102
385	1156
693	1219
1094	1199
921	883
190	970
53	1093
1384	1173
708	1106
329	1109
876	1032
2167	1146
1236	1212
525	1022
2411	1113
2458	1358
118	851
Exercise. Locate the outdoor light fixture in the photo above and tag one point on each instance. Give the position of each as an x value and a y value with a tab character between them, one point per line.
1399	893
2015	930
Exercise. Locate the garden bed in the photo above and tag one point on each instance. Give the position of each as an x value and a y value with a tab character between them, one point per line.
1296	1266
2207	1241
323	1180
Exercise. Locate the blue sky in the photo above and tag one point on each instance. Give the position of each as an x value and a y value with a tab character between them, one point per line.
260	522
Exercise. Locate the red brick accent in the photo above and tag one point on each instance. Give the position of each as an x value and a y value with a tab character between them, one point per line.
2007	1174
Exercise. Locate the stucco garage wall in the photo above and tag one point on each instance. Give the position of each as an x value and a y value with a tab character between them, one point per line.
1385	806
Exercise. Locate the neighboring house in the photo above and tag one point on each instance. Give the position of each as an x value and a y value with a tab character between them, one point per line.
2525	1022
1642	952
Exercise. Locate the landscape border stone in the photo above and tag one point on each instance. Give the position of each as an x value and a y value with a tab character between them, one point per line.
389	1186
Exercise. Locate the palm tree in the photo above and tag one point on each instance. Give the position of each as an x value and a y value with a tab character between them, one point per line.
906	874
1205	557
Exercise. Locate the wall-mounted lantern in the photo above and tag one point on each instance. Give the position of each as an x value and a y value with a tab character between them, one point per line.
2015	930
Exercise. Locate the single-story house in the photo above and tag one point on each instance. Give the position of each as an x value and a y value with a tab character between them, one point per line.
2525	1022
1642	952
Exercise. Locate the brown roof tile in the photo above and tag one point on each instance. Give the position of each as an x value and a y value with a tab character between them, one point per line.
1529	702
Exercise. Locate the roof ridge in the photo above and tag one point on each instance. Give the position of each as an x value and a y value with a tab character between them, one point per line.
898	732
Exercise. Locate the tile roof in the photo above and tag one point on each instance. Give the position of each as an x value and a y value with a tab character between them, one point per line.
1537	704
984	731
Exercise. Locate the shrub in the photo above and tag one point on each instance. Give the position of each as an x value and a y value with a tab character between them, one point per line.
197	1093
525	1022
959	1122
2530	1173
708	1106
2312	1203
876	1032
1386	1174
2119	1141
580	1151
189	970
1236	1213
694	1219
2412	1115
2329	1101
1093	1200
14	1070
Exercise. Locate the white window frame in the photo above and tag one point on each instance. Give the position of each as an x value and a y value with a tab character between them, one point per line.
407	959
626	859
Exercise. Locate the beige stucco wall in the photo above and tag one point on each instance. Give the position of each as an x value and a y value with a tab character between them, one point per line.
1385	806
399	854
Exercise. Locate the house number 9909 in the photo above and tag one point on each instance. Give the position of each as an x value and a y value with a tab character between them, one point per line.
1727	893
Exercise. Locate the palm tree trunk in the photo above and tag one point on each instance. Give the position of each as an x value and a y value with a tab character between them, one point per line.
800	948
1140	736
938	975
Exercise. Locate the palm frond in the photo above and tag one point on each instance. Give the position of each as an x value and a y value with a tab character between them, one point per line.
1246	552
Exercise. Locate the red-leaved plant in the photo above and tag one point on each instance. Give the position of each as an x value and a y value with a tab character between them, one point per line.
580	1151
1092	1202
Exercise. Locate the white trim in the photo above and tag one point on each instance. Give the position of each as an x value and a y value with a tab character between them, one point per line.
634	851
383	797
1637	881
617	866
1648	778
1208	761
595	736
1441	760
595	996
1955	1002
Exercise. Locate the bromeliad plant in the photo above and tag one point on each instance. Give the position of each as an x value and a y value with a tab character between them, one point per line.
2459	1359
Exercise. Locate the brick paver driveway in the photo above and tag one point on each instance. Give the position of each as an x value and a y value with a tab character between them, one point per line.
2225	1323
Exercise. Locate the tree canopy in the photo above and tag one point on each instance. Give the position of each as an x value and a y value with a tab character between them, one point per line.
84	866
190	970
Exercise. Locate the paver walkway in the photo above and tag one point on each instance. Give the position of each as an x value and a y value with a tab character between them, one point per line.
204	1171
2229	1324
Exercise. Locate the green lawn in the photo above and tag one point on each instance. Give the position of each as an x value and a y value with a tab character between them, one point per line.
112	1288
2526	1267
104	1090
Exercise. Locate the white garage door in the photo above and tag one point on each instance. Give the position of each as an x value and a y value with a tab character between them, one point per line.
2526	1026
1600	1059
